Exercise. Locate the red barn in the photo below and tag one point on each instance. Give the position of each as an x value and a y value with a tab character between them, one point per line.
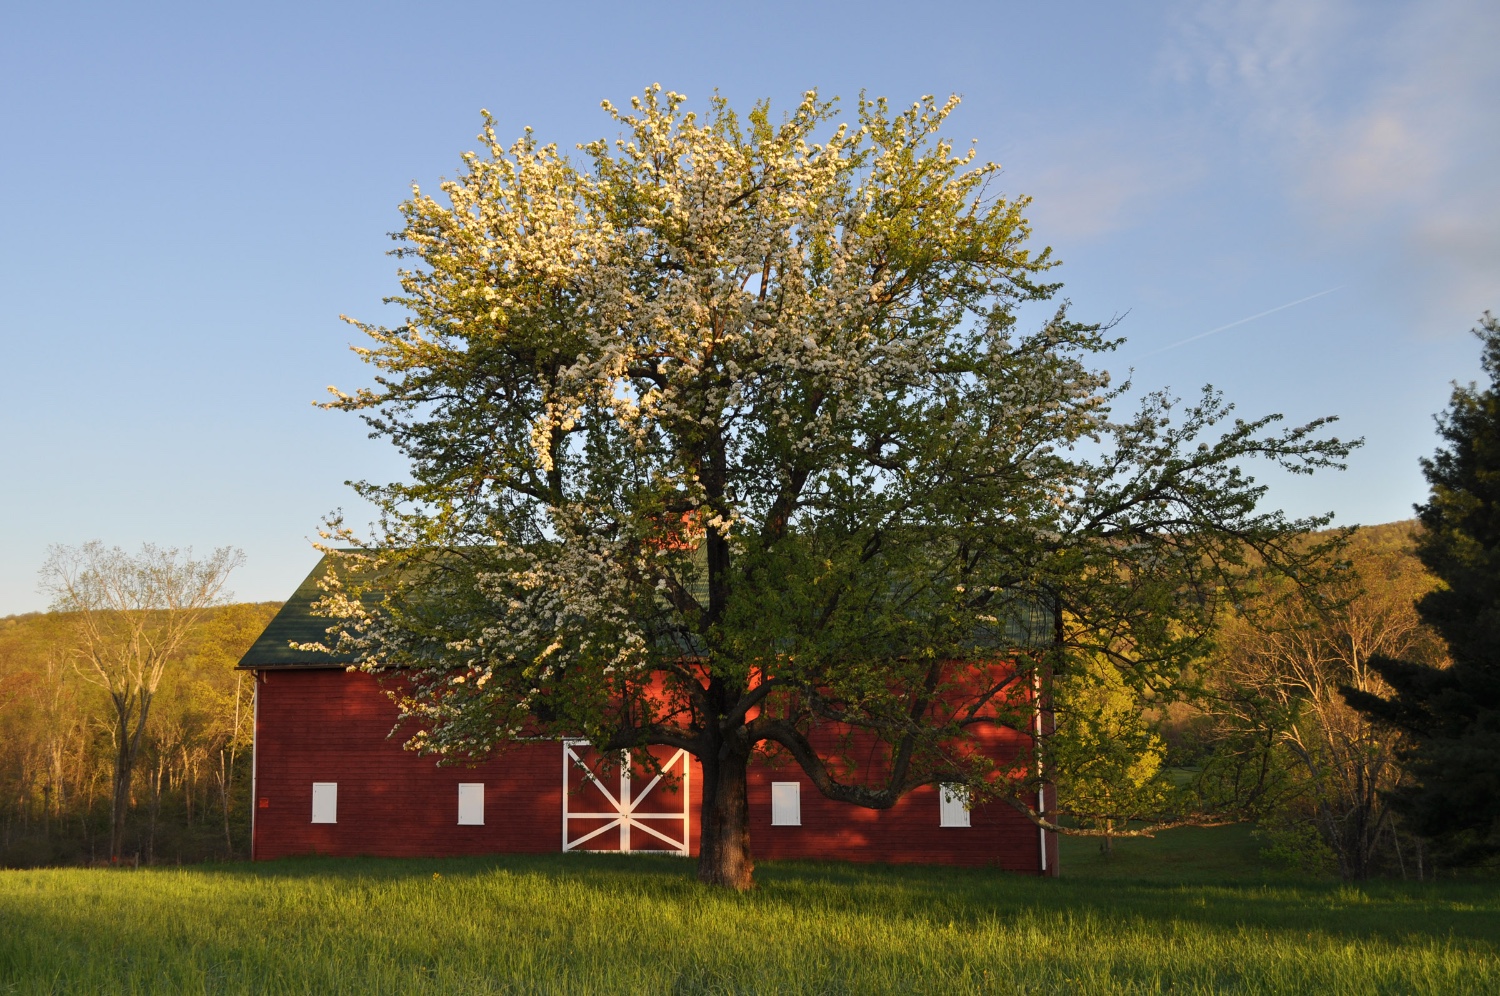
329	779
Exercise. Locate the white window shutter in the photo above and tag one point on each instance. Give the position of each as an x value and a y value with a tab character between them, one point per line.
325	799
954	806
786	804
471	804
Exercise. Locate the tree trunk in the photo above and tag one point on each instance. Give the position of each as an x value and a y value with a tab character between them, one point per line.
129	744
124	763
226	776
724	842
156	780
120	777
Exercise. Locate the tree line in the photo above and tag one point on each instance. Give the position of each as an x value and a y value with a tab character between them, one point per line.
1271	701
1357	718
1277	696
184	796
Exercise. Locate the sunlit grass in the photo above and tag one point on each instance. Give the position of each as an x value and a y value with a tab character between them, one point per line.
1195	915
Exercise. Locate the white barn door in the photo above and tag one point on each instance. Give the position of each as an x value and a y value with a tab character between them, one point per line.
624	809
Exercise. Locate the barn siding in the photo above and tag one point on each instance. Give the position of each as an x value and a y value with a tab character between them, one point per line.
333	726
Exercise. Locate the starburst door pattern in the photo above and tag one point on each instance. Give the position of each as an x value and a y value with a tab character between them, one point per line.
625	807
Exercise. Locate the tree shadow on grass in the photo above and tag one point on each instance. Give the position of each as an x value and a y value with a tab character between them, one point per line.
1273	902
1394	911
315	923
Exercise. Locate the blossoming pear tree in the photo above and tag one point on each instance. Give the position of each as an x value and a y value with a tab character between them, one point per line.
726	434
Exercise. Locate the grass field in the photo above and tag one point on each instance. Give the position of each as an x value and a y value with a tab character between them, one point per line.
1190	912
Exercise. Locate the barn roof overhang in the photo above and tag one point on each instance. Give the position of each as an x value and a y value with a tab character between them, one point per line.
1026	624
295	624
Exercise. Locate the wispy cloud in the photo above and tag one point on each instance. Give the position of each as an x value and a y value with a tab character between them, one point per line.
1363	101
1096	179
1383	117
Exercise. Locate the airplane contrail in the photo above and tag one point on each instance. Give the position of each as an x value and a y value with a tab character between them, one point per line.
1242	321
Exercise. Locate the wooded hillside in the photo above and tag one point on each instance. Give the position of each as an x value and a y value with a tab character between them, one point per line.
190	794
1273	699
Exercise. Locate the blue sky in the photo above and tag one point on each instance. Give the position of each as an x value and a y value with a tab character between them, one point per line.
197	192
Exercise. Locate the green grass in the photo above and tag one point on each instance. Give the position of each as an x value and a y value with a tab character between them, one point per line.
1217	856
1190	912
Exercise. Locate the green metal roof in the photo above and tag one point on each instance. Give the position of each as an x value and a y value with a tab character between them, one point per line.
1025	623
295	623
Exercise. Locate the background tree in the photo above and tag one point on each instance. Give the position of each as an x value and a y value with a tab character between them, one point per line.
1278	676
42	724
731	439
132	615
1451	715
56	755
1107	761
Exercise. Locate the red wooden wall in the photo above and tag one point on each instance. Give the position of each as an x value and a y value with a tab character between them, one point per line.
333	726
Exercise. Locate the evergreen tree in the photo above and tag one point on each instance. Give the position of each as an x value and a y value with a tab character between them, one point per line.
1451	715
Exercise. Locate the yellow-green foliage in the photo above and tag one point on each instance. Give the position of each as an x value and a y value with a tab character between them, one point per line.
582	924
55	751
1278	679
1109	761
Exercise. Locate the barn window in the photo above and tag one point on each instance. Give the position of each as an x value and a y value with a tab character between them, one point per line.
325	802
953	804
786	804
471	804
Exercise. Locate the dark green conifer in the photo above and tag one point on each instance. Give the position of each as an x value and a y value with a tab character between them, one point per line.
1451	715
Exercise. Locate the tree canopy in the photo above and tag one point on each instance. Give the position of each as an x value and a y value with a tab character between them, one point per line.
730	434
1322	770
